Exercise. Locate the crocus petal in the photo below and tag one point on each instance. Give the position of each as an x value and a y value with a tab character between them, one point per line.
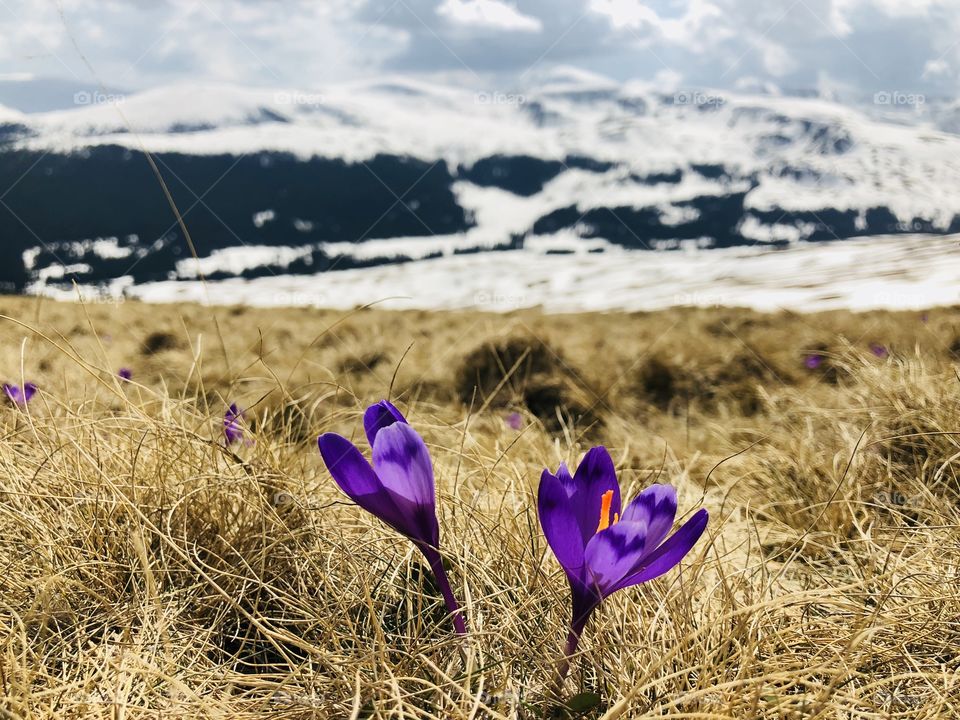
232	429
655	507
13	392
670	553
563	477
29	389
559	524
349	468
566	479
611	555
585	599
402	463
594	476
352	472
378	416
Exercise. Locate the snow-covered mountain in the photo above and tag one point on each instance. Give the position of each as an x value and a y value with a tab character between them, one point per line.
294	182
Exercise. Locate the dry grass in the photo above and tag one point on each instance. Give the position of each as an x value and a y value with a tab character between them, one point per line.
148	571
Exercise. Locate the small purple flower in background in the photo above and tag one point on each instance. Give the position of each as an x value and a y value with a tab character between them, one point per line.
398	488
514	421
125	374
879	351
925	317
813	361
232	427
20	397
601	548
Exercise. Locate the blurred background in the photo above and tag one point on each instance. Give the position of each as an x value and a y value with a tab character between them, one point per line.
496	154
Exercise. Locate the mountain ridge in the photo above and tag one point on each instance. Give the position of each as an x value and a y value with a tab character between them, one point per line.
401	169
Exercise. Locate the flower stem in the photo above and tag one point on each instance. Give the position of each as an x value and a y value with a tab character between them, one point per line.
436	564
563	666
584	603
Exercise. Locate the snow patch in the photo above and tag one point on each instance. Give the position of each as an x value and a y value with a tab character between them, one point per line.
237	260
263	217
901	272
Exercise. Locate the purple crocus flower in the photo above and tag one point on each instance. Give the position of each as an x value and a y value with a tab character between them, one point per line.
813	361
398	488
232	428
514	421
20	396
125	373
878	350
602	547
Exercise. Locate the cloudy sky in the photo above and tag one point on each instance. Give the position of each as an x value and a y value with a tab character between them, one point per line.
848	47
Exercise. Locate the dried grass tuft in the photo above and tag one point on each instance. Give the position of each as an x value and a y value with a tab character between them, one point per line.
146	570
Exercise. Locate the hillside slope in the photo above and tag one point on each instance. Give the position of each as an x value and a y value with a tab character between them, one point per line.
400	160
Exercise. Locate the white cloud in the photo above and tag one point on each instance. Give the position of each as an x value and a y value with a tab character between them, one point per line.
860	45
668	79
630	14
863	45
701	26
488	14
896	8
140	43
777	60
935	68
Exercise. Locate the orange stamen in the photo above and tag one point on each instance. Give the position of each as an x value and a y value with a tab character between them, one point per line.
606	500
